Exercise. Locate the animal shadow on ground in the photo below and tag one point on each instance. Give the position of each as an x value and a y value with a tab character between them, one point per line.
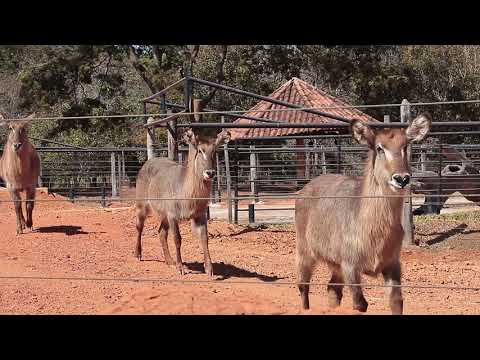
226	271
63	229
459	229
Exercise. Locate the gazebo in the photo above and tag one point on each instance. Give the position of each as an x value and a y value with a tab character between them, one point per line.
299	92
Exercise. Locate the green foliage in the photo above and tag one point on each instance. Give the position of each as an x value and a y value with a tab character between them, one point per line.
87	80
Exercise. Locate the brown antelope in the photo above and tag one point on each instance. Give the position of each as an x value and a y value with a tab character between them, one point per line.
163	178
355	234
19	169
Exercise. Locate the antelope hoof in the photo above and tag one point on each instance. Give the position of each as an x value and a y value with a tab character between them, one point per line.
209	270
170	261
29	224
361	305
19	231
397	308
138	255
333	300
181	269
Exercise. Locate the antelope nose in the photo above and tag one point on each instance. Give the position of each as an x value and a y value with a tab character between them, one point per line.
16	146
210	173
401	180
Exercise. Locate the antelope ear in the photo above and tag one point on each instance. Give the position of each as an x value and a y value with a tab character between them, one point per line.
419	127
190	138
223	137
362	133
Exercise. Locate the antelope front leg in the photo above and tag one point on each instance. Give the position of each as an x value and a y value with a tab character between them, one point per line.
177	238
392	276
352	276
15	195
199	228
29	205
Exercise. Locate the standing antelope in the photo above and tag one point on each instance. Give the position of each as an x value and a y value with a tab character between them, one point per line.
356	235
163	178
19	169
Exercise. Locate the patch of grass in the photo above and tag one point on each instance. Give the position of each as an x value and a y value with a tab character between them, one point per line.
467	215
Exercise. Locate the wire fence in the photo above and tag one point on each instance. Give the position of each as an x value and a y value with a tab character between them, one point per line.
271	169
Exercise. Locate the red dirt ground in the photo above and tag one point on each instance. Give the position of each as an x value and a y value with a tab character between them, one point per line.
85	241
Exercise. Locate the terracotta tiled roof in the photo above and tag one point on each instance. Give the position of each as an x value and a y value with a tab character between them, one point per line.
299	92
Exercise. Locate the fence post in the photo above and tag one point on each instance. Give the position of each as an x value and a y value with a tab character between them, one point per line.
339	155
307	162
237	174
229	181
251	213
150	139
423	158
104	194
124	174
219	178
113	175
324	161
407	218
253	172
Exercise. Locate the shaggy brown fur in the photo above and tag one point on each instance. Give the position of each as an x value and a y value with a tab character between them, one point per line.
163	178
19	169
358	235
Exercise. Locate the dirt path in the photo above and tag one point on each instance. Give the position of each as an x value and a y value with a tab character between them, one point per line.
82	240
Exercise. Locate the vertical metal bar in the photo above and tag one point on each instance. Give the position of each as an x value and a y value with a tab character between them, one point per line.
119	179
423	158
104	194
407	218
113	173
228	179
324	161
440	168
251	213
237	173
339	155
253	171
124	173
219	177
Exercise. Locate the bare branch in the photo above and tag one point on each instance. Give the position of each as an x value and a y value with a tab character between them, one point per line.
157	55
141	70
220	75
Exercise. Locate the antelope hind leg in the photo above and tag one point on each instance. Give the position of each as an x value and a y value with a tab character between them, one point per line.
392	276
29	207
199	228
15	195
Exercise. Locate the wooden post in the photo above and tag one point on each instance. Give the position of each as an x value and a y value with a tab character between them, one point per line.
113	175
386	119
315	157
407	218
150	139
253	172
197	107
